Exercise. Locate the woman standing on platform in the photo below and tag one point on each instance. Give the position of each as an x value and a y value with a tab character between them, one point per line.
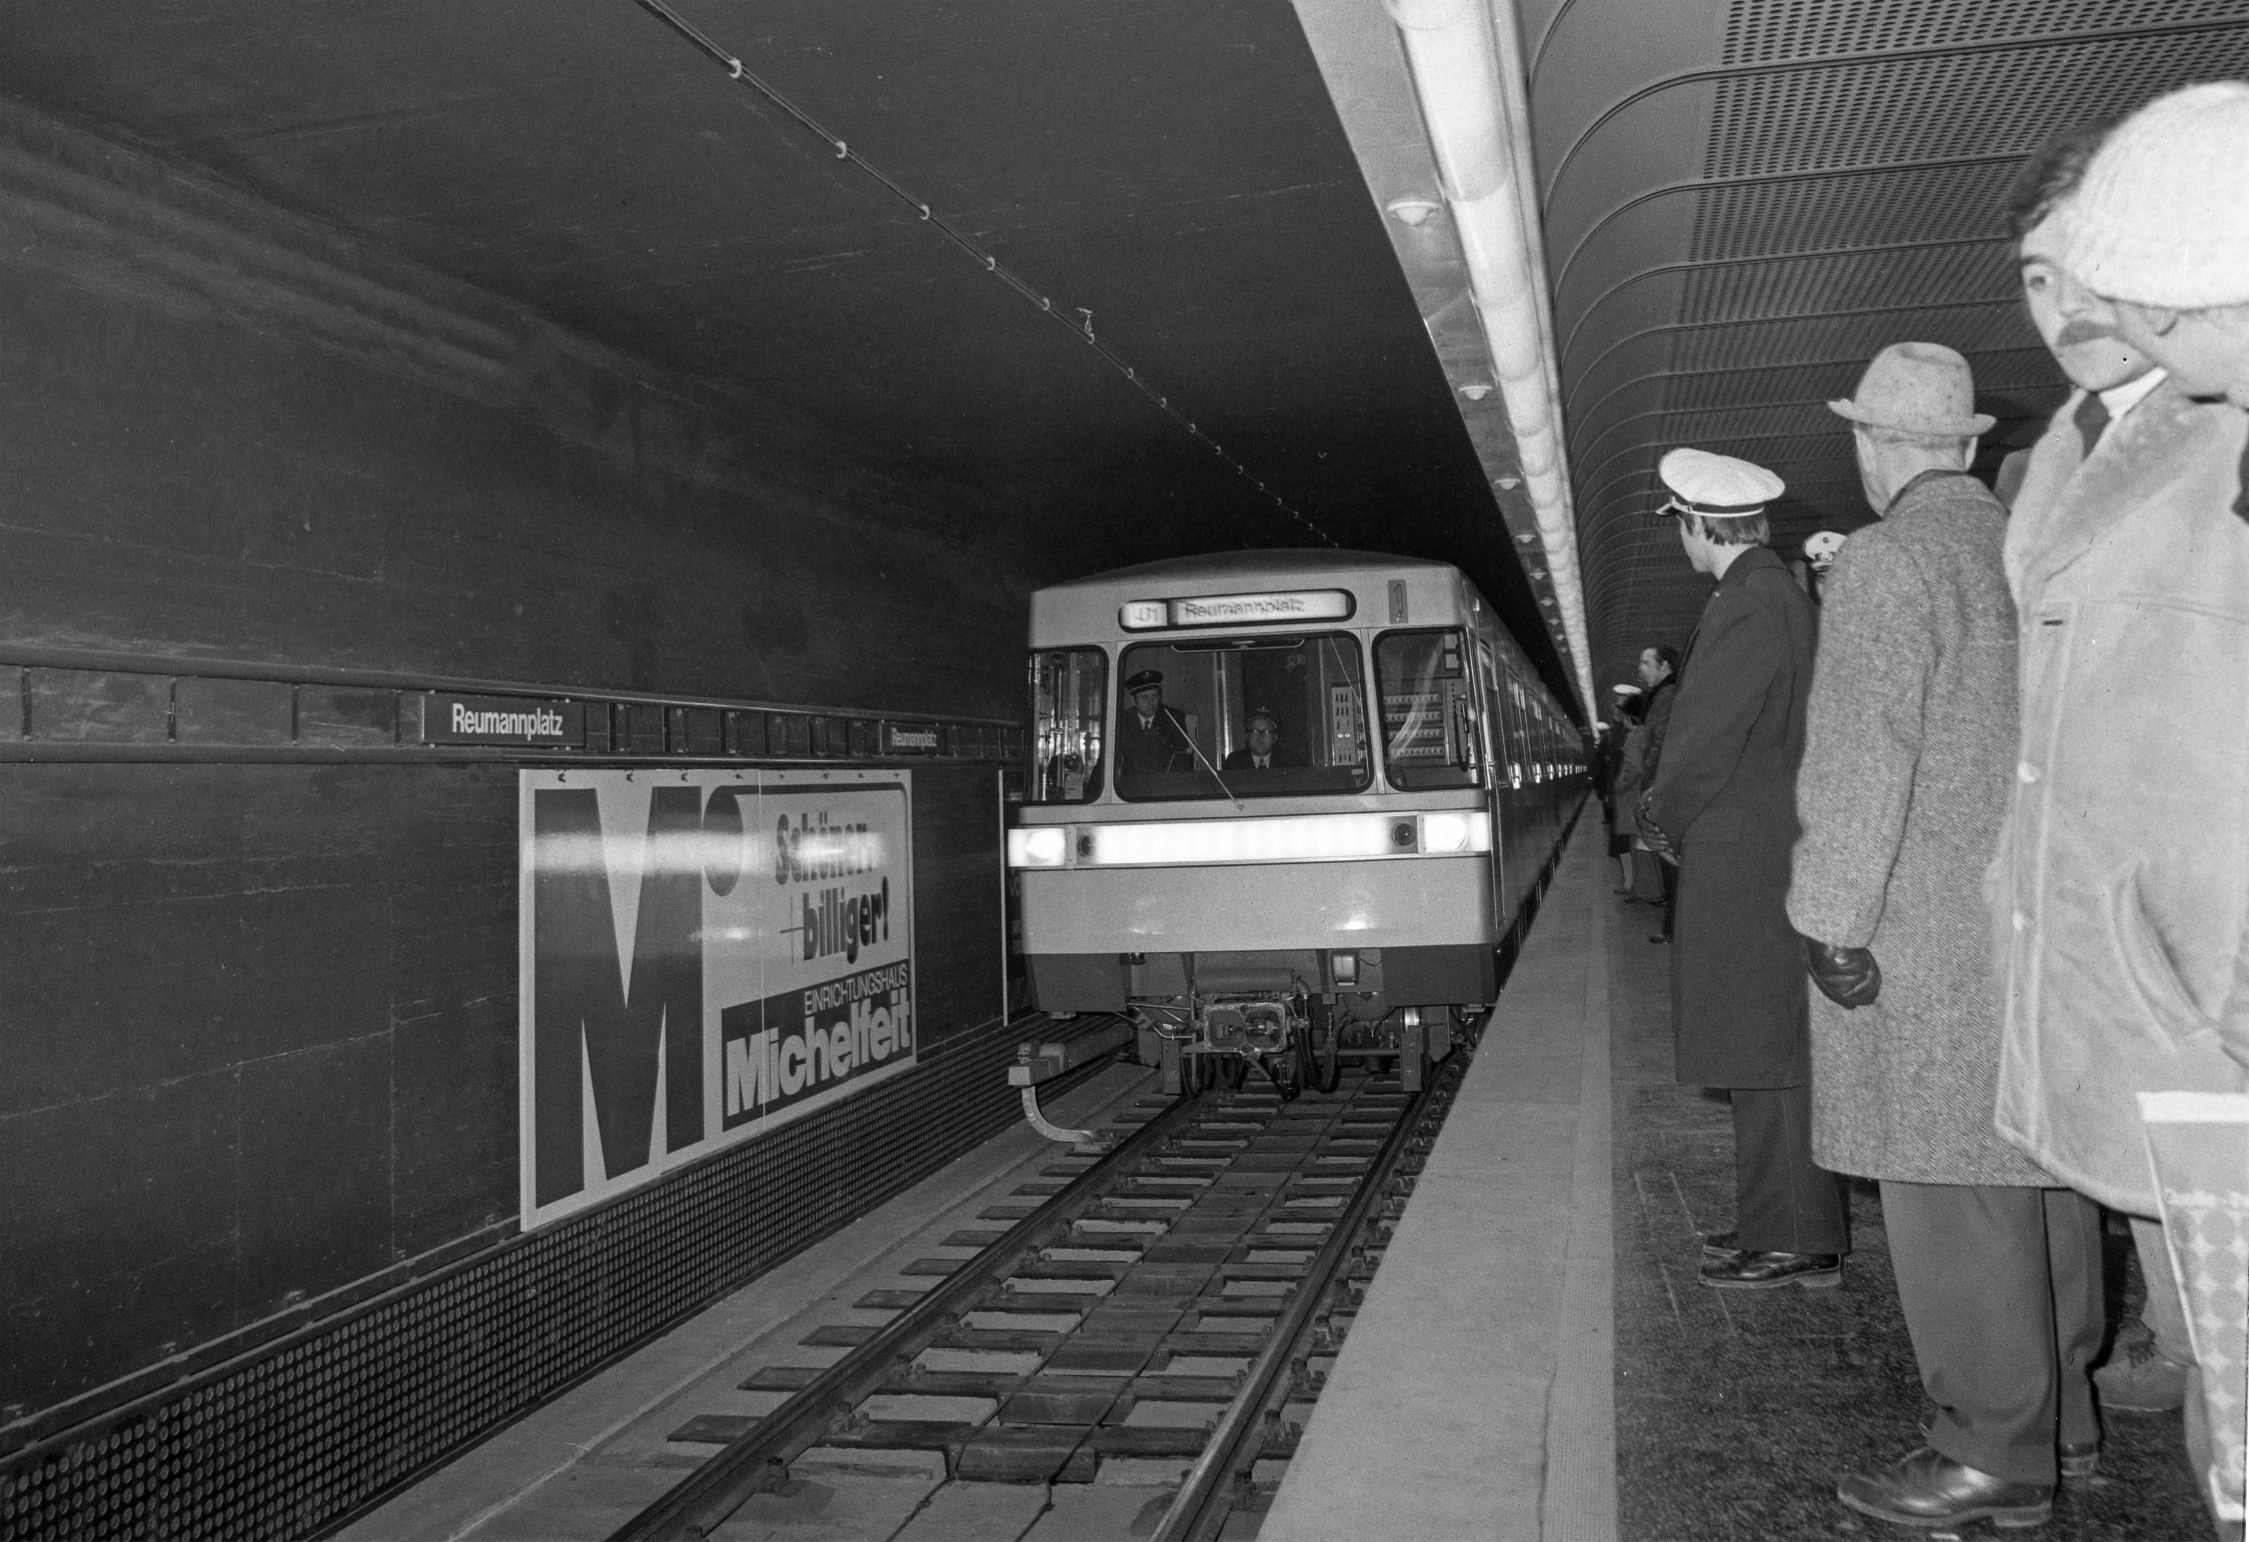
1630	702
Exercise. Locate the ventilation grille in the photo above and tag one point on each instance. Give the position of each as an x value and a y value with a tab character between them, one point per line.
1949	106
1891	207
304	1433
1852	281
1763	31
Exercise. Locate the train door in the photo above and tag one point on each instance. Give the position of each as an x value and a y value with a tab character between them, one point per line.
1488	661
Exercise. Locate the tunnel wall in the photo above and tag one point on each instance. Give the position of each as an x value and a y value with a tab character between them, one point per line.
262	1032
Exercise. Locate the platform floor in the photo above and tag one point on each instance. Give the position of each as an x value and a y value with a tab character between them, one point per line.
1537	1359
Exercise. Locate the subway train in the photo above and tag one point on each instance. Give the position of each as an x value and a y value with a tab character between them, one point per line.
1284	808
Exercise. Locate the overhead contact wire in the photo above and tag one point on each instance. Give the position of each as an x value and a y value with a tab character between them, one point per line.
1082	330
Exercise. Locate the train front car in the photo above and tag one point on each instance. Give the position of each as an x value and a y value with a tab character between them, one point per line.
1260	810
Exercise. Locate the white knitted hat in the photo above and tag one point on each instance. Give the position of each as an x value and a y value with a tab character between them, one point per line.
2162	216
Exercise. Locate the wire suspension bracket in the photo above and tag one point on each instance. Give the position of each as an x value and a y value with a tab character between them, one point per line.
1078	321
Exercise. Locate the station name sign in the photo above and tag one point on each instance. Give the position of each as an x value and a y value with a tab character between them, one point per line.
910	739
442	717
1237	609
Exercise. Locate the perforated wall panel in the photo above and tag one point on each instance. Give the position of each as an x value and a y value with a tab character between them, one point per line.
1851	195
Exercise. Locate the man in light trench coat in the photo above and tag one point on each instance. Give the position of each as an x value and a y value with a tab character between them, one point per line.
1907	763
2121	888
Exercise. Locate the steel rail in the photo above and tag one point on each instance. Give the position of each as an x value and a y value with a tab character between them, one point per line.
1199	1509
760	1455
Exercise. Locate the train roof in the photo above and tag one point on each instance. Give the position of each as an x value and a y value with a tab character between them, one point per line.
1263	564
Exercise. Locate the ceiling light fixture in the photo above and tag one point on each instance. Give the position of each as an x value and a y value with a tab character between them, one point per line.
1414	212
1476	392
1508	485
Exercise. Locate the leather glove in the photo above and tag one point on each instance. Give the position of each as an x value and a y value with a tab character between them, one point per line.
1651	832
1849	977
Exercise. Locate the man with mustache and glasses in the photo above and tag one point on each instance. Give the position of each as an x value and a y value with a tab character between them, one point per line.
2121	886
2146	1369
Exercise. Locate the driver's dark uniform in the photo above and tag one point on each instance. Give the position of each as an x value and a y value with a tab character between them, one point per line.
1145	746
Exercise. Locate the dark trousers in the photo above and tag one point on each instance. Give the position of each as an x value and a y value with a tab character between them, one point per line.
1783	1203
1670	893
2002	1293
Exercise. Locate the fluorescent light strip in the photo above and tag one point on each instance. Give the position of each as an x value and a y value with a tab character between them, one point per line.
1226	842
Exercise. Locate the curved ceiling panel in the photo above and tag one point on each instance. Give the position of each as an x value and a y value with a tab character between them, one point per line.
1758	195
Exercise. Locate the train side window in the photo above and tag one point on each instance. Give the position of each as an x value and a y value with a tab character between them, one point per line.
1428	710
1069	701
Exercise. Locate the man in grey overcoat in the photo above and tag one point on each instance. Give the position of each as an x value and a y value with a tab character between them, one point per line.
1907	764
1724	798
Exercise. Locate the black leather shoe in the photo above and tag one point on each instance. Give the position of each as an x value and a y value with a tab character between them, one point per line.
1720	1244
1770	1271
1928	1488
1660	937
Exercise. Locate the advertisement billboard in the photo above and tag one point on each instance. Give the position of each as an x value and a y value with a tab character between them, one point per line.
705	956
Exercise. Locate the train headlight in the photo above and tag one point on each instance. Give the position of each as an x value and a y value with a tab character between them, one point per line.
1465	831
1040	846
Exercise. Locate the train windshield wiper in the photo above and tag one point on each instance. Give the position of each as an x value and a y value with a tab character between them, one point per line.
1239	806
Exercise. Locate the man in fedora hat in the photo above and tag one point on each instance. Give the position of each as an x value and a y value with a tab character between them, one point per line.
1907	763
1723	798
2121	889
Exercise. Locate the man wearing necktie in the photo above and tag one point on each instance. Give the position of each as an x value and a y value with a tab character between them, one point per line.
1263	752
2120	894
2146	1371
1907	761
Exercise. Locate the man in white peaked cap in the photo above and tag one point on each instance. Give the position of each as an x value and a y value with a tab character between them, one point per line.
1723	797
2121	889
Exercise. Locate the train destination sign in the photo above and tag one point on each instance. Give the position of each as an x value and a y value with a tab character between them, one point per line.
442	717
705	955
1238	609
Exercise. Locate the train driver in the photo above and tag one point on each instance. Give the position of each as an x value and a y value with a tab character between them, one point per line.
1264	751
1151	737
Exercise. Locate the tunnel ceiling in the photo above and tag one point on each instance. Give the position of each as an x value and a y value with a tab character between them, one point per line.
1172	165
1743	200
1751	197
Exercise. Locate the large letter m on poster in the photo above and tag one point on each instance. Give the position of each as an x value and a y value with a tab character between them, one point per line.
604	1020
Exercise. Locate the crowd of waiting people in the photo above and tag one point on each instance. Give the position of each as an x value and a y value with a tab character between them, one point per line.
2003	825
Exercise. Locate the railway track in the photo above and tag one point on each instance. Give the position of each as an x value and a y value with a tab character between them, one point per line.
1168	1303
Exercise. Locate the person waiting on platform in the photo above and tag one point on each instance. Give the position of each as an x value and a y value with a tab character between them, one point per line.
1264	752
1723	799
1908	756
2118	897
2146	1370
1151	737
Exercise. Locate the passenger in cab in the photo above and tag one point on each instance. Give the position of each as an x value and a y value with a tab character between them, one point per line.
1264	751
1908	756
1151	737
2121	890
1723	801
2147	1367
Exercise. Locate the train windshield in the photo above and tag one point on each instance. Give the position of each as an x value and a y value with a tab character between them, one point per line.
1428	710
1242	717
1069	697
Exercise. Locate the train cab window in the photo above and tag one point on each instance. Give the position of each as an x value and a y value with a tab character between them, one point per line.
1069	698
1428	710
1242	717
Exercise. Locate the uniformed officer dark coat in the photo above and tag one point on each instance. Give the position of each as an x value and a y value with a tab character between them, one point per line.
1160	745
1725	795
